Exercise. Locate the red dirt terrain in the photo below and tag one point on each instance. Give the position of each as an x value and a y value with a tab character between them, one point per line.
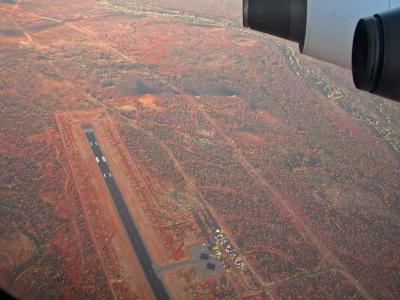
185	284
216	137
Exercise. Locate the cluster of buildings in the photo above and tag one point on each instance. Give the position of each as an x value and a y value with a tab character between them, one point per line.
224	248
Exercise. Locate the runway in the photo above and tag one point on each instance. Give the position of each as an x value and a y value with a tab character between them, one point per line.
126	218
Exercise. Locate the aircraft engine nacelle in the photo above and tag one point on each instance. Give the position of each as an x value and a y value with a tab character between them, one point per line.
376	54
325	29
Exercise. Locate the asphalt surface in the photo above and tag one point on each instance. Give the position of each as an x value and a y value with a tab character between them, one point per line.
130	227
